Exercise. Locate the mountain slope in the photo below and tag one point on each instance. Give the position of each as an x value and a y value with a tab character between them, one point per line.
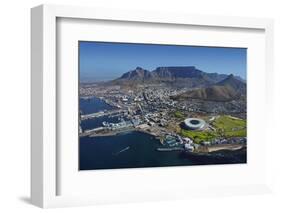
138	74
233	83
180	76
225	90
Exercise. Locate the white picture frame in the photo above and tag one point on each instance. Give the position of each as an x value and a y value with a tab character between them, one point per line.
44	154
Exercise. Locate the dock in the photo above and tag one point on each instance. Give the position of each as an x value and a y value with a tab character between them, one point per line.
167	149
102	113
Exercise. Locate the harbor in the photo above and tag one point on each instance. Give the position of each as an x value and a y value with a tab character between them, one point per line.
130	134
170	141
151	108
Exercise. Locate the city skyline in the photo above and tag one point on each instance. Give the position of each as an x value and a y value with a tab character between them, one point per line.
173	111
102	61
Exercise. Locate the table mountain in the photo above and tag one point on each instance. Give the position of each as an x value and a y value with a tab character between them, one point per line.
181	76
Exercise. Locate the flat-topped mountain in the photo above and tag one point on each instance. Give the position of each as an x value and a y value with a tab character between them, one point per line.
225	90
177	72
187	76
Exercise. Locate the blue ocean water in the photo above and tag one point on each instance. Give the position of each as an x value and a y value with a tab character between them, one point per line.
135	149
92	105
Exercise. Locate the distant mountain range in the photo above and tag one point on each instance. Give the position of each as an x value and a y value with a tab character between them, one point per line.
202	85
225	90
186	76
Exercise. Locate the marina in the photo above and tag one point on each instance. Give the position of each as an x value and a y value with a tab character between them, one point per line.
115	142
153	105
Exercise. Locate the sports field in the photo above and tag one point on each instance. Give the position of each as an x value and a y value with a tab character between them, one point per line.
224	126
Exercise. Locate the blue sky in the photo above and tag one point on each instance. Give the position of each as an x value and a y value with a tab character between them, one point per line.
101	61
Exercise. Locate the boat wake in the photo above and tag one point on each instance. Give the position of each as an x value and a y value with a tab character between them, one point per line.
122	150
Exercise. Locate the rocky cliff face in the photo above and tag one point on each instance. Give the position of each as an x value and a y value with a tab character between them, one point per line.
184	76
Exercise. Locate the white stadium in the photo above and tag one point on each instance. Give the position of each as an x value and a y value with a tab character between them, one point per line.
194	123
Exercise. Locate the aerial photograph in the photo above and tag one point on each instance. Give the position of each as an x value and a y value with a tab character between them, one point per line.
156	105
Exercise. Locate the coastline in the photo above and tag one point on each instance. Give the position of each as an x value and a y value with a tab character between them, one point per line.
199	150
219	147
112	133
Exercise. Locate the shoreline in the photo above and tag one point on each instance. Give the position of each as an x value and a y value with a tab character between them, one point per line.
111	133
116	132
199	150
219	147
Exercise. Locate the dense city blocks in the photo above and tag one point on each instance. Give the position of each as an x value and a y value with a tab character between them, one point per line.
166	116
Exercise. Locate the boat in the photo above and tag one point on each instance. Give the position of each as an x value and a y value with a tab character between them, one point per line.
104	123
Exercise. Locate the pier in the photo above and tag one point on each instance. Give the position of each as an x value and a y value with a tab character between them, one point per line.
170	149
102	113
100	132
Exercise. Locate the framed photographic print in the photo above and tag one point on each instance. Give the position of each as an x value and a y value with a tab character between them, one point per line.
169	113
148	105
